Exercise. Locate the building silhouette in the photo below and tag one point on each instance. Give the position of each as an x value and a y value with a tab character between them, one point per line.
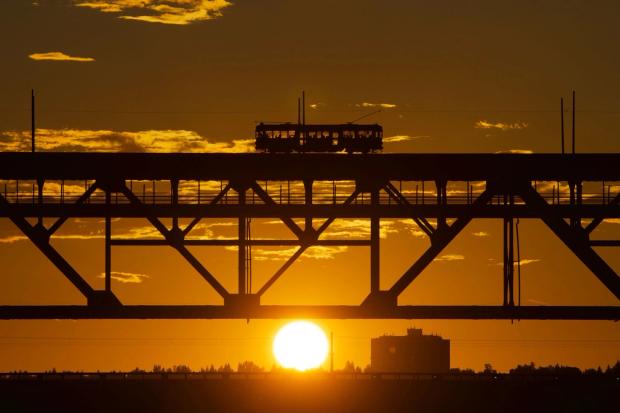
412	353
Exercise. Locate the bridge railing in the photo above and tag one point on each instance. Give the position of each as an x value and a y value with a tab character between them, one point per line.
190	193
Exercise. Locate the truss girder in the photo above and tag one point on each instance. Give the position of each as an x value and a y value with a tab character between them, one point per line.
370	193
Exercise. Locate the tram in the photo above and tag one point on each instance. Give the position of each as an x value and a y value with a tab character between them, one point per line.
296	137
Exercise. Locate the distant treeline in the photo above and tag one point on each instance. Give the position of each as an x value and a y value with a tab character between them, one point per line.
533	369
350	367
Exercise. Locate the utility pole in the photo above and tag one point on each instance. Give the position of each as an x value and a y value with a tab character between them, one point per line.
303	107
562	122
331	342
573	122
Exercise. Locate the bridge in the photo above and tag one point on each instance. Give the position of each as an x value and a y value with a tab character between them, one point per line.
440	193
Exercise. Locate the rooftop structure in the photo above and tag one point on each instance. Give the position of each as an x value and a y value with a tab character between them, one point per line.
412	353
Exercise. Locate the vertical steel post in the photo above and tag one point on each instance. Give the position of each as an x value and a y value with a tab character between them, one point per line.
40	183
174	184
571	187
242	243
579	201
441	200
505	260
32	120
108	243
511	262
374	242
508	255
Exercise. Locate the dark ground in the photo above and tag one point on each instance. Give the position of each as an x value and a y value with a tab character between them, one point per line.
306	393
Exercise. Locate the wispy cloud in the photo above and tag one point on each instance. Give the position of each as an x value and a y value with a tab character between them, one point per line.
537	302
403	138
376	105
480	234
450	257
90	232
360	229
485	124
126	277
522	151
10	239
59	56
282	254
81	140
524	261
179	12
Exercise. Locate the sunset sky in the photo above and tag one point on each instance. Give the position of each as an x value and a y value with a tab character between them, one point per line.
196	76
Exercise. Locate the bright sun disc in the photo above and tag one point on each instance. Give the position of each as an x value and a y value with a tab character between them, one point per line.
300	345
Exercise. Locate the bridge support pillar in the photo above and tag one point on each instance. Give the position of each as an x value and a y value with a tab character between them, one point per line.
509	262
242	265
375	282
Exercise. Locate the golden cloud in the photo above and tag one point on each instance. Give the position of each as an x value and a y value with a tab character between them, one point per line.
484	124
376	105
450	257
360	228
522	151
480	234
84	140
126	277
59	56
10	239
178	12
524	261
317	252
402	138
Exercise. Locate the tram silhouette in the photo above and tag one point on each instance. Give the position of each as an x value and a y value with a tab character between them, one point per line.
301	137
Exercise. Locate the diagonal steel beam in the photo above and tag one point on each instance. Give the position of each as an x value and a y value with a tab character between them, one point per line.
210	278
269	201
440	240
40	239
60	221
421	222
303	248
596	221
574	240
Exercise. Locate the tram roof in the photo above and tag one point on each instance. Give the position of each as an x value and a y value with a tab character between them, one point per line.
317	126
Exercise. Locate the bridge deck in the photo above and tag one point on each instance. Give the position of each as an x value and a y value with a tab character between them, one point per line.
458	167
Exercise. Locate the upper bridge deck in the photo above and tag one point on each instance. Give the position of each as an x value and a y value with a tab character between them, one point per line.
314	166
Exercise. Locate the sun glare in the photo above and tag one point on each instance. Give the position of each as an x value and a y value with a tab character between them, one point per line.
300	345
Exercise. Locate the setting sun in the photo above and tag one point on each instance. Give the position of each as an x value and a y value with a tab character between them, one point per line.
300	345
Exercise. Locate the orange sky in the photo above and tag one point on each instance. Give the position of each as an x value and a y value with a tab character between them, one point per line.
477	77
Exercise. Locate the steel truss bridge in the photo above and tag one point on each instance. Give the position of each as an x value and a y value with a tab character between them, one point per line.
441	193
